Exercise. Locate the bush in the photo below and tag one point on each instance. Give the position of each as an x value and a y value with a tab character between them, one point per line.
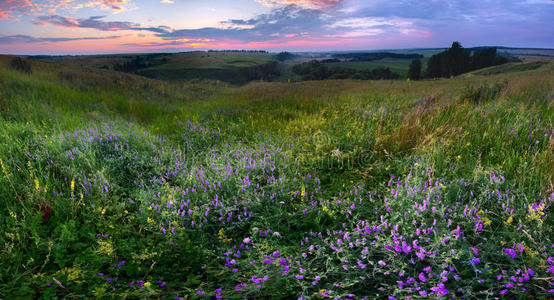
20	65
483	93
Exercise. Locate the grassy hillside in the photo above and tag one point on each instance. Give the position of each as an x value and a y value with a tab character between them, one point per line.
115	185
513	67
234	67
396	65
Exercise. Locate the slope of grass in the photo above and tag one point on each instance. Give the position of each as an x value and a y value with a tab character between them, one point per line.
513	67
234	67
398	66
114	185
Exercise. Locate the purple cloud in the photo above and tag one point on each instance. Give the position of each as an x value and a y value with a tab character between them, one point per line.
12	39
95	22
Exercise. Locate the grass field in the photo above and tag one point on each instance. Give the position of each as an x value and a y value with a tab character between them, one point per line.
231	67
116	185
398	66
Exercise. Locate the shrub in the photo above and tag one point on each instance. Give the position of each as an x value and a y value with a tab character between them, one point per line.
20	65
483	93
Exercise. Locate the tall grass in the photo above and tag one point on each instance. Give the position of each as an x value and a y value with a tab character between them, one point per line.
117	185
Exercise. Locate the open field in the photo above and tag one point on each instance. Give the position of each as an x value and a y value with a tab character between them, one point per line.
243	67
396	65
116	185
234	67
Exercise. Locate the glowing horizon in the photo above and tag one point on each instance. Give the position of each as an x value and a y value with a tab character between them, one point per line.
119	26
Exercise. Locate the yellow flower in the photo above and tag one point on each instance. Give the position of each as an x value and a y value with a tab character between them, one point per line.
149	220
509	221
303	191
72	185
147	284
458	157
487	221
36	184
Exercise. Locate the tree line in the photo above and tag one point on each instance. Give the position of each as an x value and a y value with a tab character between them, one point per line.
455	61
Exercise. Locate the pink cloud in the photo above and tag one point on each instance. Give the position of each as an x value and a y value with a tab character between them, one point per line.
302	3
15	9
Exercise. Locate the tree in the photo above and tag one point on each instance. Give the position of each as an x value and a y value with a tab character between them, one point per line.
415	69
451	62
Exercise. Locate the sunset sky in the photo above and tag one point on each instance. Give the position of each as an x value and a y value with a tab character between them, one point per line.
115	26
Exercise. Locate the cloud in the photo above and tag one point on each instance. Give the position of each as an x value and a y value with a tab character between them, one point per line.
168	1
13	39
302	3
96	22
295	23
288	20
15	9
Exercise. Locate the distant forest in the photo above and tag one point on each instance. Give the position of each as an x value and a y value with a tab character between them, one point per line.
373	56
458	60
317	70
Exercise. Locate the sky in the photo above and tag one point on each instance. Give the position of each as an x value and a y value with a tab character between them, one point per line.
131	26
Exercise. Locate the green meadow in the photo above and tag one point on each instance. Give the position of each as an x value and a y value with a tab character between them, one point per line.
117	185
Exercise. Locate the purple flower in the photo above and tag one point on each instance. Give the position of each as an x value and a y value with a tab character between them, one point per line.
422	277
502	292
511	252
475	251
299	277
120	264
382	263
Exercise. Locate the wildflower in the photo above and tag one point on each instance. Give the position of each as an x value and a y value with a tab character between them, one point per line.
246	240
36	184
475	251
147	284
299	277
120	264
422	277
509	221
458	157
